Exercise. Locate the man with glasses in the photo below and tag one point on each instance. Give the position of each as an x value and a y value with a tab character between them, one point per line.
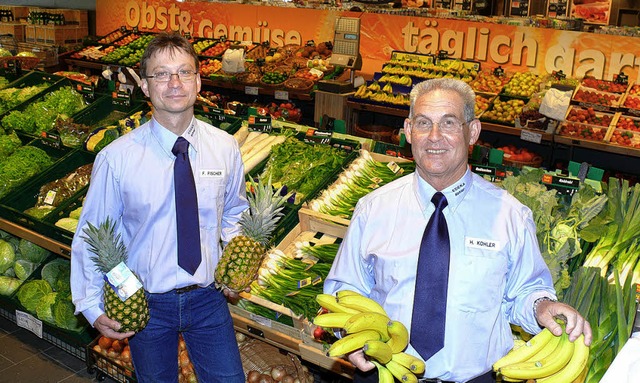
448	254
175	188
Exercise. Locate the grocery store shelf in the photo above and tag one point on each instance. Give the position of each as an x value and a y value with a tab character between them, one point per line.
594	145
389	110
37	238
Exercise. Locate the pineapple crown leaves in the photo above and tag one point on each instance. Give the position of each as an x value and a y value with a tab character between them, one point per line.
265	210
109	249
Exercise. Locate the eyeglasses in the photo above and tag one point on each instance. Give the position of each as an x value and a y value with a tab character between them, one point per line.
183	75
447	125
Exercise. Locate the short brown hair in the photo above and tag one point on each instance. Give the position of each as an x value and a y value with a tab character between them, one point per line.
170	41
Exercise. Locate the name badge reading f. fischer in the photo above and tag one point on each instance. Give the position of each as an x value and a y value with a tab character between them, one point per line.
484	244
212	173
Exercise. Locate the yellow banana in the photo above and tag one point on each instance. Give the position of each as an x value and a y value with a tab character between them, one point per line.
398	336
400	372
368	321
377	350
361	303
330	303
574	368
534	369
344	293
583	375
332	320
526	351
415	365
384	375
352	342
547	349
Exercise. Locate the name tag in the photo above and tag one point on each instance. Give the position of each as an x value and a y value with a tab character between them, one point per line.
212	173
484	244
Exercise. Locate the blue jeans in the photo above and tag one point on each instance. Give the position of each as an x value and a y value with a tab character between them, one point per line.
203	318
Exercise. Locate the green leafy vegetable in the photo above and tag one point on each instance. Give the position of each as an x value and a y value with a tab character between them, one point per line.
53	270
44	308
31	292
63	313
24	268
7	256
32	252
8	285
8	144
23	164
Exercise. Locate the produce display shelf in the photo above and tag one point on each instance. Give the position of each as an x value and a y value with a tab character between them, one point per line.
601	146
35	237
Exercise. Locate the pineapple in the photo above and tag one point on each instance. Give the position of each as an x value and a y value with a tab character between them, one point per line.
243	255
133	314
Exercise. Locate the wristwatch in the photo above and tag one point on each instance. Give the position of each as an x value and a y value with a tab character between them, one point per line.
537	301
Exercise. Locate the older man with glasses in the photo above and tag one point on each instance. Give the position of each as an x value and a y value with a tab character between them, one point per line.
447	253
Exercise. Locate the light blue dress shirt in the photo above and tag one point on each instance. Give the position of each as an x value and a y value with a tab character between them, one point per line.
496	269
132	182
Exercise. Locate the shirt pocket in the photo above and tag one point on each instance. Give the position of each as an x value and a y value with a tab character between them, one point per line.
211	202
480	280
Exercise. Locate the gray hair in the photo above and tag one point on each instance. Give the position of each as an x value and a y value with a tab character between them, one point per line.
462	88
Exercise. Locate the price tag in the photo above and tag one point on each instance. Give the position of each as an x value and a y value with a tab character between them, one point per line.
29	322
123	29
559	75
318	136
281	95
621	78
251	90
310	43
527	135
51	139
498	72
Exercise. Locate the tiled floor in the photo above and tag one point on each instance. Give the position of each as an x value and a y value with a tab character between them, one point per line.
25	358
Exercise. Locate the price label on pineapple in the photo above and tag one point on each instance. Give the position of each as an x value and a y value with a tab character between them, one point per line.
527	135
281	95
251	90
29	322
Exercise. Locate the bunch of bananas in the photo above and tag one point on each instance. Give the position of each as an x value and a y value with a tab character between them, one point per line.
546	358
368	327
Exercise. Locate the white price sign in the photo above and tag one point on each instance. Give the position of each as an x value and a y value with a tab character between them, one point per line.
527	135
252	90
29	322
281	95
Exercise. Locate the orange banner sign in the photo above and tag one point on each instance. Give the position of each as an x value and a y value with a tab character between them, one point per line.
514	48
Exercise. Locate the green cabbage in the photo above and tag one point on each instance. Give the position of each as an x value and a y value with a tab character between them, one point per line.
32	252
44	308
8	285
24	268
63	313
32	292
55	270
7	256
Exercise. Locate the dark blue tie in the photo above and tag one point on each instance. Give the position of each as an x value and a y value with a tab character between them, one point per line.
189	256
430	300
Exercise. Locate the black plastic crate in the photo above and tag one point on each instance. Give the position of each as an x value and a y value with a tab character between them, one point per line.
13	205
75	343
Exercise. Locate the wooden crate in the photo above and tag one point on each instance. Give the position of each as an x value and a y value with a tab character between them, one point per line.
56	34
15	29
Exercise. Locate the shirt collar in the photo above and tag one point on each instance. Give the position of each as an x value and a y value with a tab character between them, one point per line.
454	193
167	138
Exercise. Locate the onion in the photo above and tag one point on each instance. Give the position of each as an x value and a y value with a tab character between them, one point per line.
240	337
277	373
296	380
253	376
287	379
264	378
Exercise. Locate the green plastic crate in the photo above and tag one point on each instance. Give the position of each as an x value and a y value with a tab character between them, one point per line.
30	79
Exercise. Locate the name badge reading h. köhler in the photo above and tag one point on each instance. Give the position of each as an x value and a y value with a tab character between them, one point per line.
212	173
484	244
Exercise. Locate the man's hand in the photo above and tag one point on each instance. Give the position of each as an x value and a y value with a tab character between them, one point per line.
358	359
547	311
109	328
232	296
